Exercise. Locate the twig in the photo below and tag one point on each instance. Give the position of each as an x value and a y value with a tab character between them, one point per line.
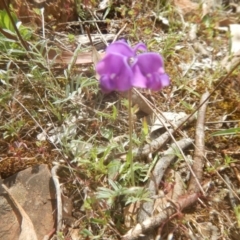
153	222
197	166
174	140
43	22
158	172
59	197
120	31
99	31
76	23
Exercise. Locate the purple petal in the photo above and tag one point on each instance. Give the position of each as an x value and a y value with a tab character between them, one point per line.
157	81
139	80
115	73
106	84
140	47
150	62
120	47
149	72
164	78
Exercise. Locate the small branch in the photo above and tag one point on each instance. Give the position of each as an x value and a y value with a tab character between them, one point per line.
153	222
198	164
174	140
158	172
58	196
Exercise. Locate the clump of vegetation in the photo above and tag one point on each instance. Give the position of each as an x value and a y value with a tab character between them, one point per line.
53	112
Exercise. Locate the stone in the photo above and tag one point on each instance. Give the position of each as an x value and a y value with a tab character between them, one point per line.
34	190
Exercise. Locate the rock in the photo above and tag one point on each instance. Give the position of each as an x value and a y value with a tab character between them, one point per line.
34	190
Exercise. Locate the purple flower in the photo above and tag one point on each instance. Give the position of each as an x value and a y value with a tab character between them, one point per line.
123	68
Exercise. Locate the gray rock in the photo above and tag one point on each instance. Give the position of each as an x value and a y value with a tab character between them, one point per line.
35	192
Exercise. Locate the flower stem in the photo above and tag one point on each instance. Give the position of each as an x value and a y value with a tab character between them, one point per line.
130	155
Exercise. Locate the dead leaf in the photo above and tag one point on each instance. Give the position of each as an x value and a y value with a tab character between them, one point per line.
65	57
226	21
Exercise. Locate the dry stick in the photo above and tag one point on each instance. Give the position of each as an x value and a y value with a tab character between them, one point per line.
59	197
157	174
89	35
43	22
191	117
174	140
198	157
76	23
101	35
153	222
120	31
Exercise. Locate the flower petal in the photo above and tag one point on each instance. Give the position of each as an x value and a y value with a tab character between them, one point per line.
157	81
106	84
139	80
150	62
120	47
139	47
115	73
149	72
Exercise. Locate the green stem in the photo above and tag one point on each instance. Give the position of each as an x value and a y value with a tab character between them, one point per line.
130	155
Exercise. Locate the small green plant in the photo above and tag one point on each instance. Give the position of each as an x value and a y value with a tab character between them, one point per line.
130	195
230	131
12	128
228	160
237	214
60	236
8	37
71	38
